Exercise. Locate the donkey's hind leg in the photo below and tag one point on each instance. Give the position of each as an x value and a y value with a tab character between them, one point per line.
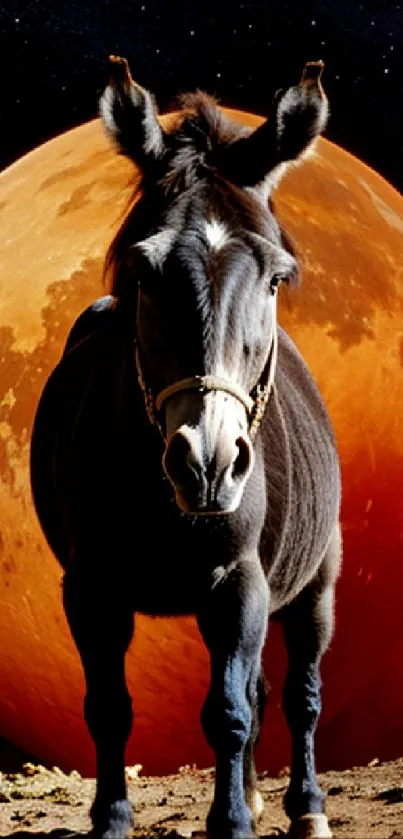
308	628
102	627
257	697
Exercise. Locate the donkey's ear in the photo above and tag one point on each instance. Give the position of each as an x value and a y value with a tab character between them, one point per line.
299	115
130	116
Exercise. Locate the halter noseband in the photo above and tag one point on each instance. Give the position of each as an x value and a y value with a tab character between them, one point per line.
203	384
254	403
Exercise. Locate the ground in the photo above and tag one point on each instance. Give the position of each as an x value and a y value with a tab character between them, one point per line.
363	803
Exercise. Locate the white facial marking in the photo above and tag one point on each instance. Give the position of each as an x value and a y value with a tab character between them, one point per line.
216	234
157	247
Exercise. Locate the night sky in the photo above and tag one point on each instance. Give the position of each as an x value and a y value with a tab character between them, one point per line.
53	62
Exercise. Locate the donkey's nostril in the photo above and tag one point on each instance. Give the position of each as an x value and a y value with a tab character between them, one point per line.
180	463
243	459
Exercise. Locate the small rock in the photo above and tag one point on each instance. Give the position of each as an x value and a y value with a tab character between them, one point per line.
30	769
133	772
187	769
373	763
57	770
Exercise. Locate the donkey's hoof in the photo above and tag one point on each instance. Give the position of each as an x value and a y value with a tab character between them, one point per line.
311	826
230	833
115	822
256	805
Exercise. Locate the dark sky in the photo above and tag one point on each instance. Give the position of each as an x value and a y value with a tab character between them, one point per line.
53	62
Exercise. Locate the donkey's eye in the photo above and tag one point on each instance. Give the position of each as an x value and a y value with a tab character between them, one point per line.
275	281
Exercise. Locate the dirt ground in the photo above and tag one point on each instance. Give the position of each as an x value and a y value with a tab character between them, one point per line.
363	803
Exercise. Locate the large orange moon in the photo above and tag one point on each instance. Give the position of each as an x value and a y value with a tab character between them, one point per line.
60	206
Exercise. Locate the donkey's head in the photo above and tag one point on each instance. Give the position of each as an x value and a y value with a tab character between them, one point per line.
200	257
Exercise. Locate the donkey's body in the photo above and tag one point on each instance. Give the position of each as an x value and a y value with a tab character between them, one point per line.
105	480
296	494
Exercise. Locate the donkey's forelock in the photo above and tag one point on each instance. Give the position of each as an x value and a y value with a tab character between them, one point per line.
204	123
194	141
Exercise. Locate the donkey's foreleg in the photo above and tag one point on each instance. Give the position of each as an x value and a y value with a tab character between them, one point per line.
233	622
102	627
257	697
308	628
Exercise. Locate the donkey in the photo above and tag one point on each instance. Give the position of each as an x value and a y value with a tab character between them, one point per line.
182	459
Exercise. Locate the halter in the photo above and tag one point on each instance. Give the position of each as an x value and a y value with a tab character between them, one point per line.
254	403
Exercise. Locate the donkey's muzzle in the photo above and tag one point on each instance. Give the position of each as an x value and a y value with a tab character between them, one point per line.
205	483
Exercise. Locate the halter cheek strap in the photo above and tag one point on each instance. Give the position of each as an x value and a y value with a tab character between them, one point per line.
261	392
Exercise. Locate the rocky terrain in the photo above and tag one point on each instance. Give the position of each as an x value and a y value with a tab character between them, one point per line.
363	803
